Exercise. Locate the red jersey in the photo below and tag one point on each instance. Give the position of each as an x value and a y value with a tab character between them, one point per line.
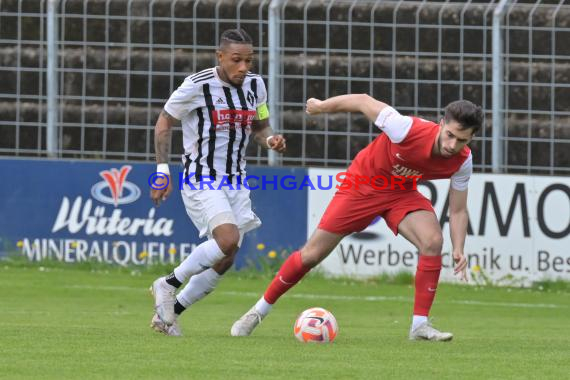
403	150
408	158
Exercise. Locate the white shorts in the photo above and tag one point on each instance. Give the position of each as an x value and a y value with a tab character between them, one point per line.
209	208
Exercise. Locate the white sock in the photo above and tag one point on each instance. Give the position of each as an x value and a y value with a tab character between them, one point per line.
202	257
198	287
263	307
418	320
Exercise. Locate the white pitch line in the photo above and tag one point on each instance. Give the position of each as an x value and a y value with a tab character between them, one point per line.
110	288
53	313
404	299
345	298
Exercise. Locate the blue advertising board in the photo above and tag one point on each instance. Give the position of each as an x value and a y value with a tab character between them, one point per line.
77	211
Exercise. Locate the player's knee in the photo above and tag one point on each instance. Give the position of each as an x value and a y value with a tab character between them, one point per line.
432	246
228	245
228	240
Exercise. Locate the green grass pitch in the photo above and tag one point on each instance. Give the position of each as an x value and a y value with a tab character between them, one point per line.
68	322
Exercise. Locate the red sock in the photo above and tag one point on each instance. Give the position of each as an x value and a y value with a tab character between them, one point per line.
427	277
290	273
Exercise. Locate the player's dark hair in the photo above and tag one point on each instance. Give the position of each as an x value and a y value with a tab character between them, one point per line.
467	114
235	36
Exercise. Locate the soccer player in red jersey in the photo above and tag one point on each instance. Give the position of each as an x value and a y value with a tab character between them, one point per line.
409	148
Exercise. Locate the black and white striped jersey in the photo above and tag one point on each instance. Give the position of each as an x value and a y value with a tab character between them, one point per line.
216	122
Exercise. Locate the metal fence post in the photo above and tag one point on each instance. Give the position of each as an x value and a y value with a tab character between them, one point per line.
498	89
51	91
274	65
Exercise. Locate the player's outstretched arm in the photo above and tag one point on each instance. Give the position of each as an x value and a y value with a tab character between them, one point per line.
362	103
458	220
162	136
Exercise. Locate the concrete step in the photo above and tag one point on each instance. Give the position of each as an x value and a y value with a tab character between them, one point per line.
388	16
331	136
518	125
297	67
339	147
117	116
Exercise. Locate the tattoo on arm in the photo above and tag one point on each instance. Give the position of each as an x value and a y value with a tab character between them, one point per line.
162	136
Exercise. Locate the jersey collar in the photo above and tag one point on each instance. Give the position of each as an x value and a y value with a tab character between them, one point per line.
220	79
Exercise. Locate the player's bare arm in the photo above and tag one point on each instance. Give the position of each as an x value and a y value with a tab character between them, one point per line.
362	103
162	136
458	220
262	133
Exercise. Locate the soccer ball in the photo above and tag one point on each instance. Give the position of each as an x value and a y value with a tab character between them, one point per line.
316	325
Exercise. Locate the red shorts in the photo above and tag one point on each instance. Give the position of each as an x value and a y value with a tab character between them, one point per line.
352	211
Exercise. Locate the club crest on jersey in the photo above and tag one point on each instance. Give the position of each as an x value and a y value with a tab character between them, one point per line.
238	118
250	98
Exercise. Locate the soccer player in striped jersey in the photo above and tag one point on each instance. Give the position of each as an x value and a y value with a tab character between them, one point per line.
219	108
410	147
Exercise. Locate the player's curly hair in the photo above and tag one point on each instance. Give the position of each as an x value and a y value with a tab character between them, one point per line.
467	114
235	36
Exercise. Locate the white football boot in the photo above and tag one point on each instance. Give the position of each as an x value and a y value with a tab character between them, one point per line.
426	331
164	300
247	323
159	326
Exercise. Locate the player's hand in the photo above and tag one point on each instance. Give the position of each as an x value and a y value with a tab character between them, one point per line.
313	106
160	190
460	268
278	143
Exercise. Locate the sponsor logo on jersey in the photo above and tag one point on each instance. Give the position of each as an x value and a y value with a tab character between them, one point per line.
236	117
399	170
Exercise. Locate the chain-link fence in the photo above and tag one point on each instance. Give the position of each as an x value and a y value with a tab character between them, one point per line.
118	61
537	87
